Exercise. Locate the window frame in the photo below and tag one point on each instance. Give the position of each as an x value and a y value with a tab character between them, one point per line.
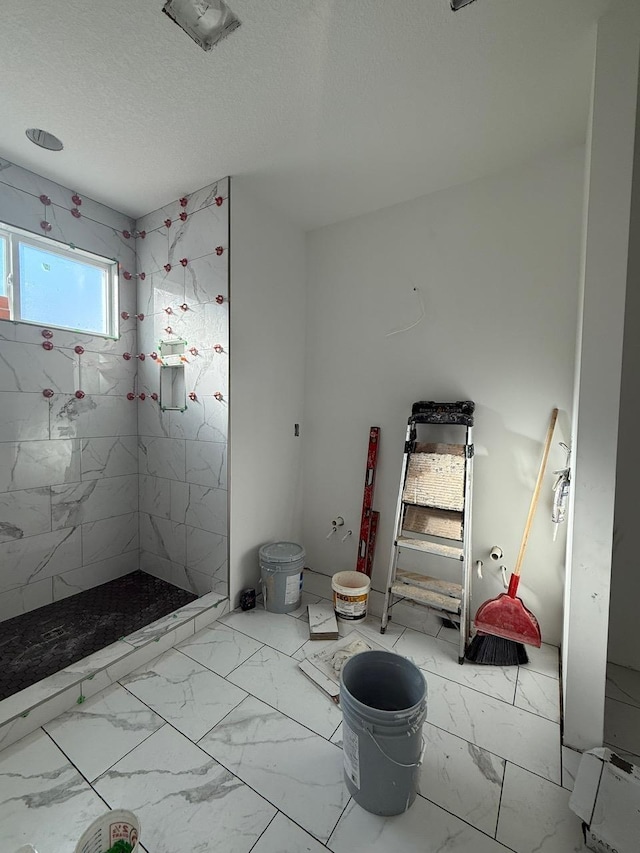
14	236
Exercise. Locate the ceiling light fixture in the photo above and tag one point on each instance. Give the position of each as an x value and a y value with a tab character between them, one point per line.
44	139
459	4
206	21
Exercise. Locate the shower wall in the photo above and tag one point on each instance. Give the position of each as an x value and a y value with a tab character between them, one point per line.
184	257
68	467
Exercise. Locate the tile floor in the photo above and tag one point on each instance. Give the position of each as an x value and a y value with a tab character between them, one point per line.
221	744
622	712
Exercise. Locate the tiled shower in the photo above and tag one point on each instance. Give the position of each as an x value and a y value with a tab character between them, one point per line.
98	485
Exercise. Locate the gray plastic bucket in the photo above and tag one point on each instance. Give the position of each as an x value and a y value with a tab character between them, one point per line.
384	702
281	566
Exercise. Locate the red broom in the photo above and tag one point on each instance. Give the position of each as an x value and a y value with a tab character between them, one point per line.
504	623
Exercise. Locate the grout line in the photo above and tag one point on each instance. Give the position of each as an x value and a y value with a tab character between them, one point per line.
504	775
265	829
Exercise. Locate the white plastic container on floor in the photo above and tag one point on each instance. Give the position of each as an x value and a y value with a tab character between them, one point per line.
350	595
105	831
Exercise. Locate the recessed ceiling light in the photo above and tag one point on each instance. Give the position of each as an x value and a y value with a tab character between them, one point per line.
206	21
458	4
44	139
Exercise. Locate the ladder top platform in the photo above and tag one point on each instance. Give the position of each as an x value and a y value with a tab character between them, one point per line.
430	412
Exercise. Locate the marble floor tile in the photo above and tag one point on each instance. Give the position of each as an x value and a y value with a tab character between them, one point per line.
623	684
425	828
293	768
279	631
500	728
538	693
370	627
44	801
570	763
103	729
190	697
305	600
535	815
220	648
185	800
462	778
441	658
622	726
545	660
277	680
284	836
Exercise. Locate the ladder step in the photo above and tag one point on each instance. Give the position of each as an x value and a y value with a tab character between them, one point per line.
435	476
450	551
427	597
454	590
433	522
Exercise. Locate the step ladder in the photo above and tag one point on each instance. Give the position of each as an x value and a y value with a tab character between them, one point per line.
433	515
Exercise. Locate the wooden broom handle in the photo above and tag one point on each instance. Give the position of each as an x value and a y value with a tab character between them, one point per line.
536	493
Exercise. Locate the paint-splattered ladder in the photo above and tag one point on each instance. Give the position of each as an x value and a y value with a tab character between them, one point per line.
433	515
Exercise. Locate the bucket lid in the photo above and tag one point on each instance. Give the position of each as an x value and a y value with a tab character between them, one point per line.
282	552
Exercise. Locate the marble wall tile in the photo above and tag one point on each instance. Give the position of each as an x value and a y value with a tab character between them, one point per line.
24	513
206	552
206	196
31	464
93	500
152	421
167	776
199	506
174	573
163	537
109	537
110	456
206	419
283	761
35	775
23	416
93	417
38	557
67	340
103	373
94	574
22	599
206	463
27	367
162	457
154	496
199	282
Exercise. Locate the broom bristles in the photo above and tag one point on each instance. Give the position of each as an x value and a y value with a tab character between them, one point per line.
488	650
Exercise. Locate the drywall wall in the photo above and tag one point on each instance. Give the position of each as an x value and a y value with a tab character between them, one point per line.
267	294
184	258
624	641
68	483
610	155
496	264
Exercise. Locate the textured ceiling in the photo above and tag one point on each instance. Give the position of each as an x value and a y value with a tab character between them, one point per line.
333	108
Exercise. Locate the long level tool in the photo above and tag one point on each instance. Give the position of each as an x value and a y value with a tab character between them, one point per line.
368	524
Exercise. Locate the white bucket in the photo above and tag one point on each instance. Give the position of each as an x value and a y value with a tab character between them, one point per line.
350	595
105	831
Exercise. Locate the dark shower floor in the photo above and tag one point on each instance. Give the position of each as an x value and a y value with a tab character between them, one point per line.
44	641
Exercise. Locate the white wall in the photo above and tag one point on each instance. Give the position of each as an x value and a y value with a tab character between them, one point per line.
267	302
497	263
624	641
605	269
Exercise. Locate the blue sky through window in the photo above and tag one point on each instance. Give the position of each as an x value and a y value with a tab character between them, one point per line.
60	291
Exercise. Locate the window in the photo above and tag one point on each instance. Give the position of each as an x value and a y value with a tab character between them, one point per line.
50	284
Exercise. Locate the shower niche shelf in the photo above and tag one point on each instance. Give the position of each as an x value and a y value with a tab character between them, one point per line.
173	393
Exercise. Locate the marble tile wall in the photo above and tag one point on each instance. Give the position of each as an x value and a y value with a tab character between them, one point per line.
182	455
68	467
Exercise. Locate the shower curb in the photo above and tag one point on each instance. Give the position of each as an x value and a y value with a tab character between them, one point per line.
26	711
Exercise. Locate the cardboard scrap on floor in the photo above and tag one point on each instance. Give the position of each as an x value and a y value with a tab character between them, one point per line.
323	624
324	666
606	795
